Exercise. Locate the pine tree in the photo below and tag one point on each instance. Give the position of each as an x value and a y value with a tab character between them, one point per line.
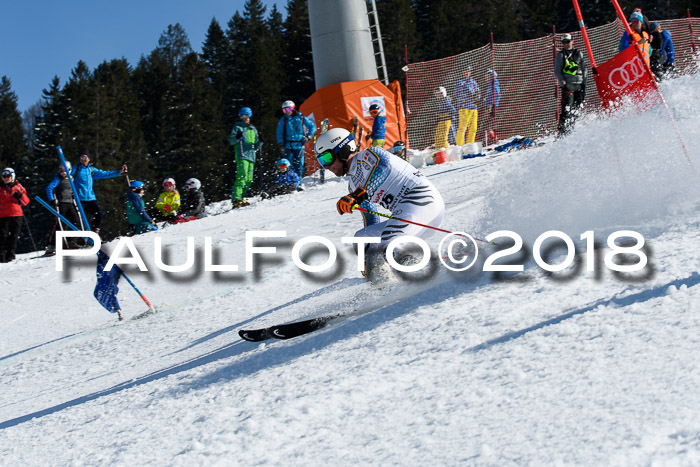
298	57
48	130
12	144
399	25
182	116
78	123
201	137
257	70
215	51
156	81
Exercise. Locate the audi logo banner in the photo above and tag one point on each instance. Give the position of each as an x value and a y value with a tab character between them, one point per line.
624	75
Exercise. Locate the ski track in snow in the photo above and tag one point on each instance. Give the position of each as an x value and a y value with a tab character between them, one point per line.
482	369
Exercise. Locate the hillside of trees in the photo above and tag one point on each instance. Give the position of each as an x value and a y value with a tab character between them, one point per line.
169	115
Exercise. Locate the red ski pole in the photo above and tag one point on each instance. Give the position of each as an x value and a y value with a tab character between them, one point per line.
419	224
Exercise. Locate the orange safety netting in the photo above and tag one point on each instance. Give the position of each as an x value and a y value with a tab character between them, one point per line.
529	104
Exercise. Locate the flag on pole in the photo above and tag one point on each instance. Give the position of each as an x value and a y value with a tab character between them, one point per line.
625	75
107	284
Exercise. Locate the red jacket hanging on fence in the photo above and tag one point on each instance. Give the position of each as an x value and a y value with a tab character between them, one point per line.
10	203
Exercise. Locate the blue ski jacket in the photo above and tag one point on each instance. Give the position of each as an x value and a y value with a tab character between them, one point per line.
287	178
290	130
379	127
493	92
467	92
135	209
83	178
666	49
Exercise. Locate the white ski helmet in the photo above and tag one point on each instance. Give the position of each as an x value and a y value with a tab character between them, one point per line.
193	184
168	181
9	171
286	104
60	166
336	143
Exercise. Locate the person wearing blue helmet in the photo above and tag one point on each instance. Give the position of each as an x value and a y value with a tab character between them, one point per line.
378	126
286	181
246	142
136	215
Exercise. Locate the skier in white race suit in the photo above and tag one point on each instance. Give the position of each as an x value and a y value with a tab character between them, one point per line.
377	177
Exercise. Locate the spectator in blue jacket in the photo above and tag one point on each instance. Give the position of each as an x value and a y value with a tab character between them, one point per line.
84	174
491	100
662	56
467	94
378	127
294	130
446	116
246	142
286	181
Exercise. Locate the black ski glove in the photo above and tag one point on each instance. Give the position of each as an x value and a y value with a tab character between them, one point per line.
17	195
239	134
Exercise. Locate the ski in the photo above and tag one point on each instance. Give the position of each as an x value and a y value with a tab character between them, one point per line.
289	330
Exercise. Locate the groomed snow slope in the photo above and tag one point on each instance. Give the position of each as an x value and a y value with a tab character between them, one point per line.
586	368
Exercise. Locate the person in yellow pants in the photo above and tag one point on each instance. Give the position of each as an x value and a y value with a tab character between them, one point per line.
467	94
446	113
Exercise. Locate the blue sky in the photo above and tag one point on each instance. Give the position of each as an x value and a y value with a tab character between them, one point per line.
42	39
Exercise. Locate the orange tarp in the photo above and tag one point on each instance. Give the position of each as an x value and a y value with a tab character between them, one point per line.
339	103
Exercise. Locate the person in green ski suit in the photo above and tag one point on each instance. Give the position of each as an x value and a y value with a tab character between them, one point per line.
246	142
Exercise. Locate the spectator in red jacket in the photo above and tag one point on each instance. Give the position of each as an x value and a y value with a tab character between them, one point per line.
12	197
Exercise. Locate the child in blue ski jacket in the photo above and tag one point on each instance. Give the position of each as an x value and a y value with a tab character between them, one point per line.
378	127
286	181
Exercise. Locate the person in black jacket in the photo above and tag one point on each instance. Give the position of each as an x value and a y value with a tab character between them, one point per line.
60	193
193	204
570	71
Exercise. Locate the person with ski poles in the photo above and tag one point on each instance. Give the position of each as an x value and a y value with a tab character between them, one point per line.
84	174
12	197
294	130
377	177
246	142
60	193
